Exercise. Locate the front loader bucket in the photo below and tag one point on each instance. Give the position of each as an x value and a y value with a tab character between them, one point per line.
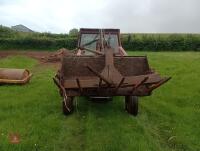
14	76
107	75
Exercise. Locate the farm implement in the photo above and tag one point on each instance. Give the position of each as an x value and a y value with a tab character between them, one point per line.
101	68
14	76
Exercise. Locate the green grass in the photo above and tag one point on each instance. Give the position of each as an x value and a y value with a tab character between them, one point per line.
168	120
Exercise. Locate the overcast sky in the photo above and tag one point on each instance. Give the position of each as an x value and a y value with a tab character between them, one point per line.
144	16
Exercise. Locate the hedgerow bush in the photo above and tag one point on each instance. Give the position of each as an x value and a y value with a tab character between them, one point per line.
37	43
10	39
161	42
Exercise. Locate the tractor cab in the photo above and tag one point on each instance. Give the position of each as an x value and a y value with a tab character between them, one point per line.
98	39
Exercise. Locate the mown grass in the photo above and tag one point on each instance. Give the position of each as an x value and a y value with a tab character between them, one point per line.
168	120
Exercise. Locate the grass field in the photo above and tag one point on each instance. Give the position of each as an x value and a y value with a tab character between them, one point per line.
169	120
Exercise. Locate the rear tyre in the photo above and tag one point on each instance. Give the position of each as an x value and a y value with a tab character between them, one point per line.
131	105
68	106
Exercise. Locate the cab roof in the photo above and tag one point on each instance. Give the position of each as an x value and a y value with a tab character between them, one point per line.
97	30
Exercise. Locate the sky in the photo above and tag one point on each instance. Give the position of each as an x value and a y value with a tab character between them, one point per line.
131	16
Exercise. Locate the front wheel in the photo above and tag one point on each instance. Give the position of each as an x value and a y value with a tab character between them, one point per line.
67	105
131	105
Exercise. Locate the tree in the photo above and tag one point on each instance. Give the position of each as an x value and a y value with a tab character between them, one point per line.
73	32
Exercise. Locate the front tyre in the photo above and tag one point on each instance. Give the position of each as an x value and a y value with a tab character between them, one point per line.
131	105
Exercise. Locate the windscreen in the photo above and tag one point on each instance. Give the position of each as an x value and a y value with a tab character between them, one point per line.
92	41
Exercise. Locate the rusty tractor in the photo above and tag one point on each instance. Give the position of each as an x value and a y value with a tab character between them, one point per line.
100	67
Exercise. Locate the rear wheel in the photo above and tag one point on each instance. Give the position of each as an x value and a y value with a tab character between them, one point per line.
68	105
131	105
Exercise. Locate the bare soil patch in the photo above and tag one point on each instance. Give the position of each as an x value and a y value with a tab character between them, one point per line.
45	58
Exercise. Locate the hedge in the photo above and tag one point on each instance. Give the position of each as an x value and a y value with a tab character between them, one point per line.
146	42
161	42
37	43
